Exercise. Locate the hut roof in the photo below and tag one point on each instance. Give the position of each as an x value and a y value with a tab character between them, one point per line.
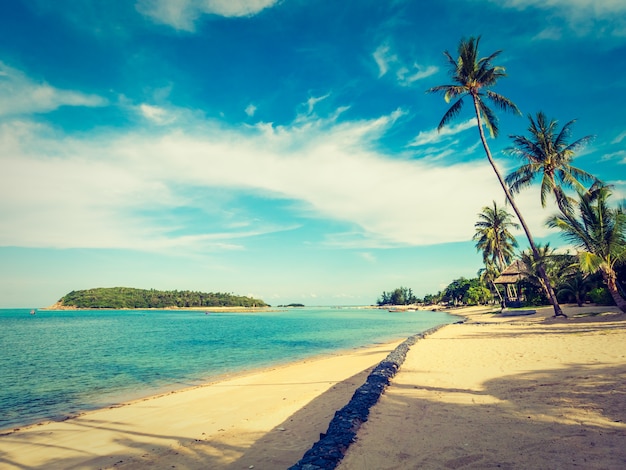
515	272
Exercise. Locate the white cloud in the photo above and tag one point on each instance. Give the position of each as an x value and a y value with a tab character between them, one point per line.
386	60
183	14
549	34
104	191
21	95
407	76
156	114
617	155
582	15
594	7
312	102
250	110
619	138
383	58
433	136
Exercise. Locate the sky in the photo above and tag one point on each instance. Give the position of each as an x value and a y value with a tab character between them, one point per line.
281	149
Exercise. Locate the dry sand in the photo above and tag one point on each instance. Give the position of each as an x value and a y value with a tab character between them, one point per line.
266	418
505	392
494	392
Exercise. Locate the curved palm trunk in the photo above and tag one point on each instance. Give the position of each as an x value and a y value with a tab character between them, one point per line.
611	284
540	269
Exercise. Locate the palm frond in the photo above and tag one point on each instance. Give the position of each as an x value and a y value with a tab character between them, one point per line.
520	178
489	118
503	103
547	187
454	110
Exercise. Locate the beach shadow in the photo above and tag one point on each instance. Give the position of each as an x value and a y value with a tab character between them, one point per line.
136	449
286	443
565	418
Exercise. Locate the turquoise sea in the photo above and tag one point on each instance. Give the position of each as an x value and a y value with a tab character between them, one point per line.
54	364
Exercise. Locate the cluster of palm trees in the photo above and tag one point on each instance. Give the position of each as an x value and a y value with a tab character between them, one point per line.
590	223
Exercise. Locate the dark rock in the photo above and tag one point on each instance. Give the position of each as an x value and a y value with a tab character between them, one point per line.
332	446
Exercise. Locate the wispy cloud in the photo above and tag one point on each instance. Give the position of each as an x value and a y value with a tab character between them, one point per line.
21	95
619	138
183	14
582	15
387	60
406	75
383	58
100	191
433	136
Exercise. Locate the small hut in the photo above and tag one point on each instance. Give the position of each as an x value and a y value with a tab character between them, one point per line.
514	273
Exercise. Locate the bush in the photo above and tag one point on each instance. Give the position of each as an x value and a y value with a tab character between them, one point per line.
601	296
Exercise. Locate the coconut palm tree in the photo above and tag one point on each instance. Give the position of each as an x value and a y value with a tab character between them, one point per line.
599	231
493	237
546	153
473	77
577	287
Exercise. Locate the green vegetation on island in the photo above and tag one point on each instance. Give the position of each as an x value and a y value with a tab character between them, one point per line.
126	297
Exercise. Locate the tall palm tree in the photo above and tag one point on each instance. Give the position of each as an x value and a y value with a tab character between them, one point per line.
599	231
546	153
473	77
493	237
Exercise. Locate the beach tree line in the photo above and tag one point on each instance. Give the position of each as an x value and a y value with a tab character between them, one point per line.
126	297
398	296
586	217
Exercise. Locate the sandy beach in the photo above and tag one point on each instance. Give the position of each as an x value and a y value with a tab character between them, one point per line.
493	392
505	392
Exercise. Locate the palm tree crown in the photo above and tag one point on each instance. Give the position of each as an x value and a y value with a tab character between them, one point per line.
473	76
547	153
599	231
493	237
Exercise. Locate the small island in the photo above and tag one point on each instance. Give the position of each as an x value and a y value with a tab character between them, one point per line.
130	298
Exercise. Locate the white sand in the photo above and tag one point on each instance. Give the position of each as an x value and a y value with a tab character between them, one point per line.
512	393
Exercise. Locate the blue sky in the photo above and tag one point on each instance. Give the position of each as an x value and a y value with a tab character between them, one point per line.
281	149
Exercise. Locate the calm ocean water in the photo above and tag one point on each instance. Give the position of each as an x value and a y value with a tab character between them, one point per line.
58	363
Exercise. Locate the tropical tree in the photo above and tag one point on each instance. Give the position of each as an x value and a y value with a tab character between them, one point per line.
487	275
576	287
493	237
548	155
473	77
495	240
558	267
599	231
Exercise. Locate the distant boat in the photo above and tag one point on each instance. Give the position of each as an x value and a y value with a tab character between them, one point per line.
33	312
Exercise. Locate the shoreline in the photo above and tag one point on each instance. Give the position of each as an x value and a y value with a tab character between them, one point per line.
270	418
170	389
210	420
